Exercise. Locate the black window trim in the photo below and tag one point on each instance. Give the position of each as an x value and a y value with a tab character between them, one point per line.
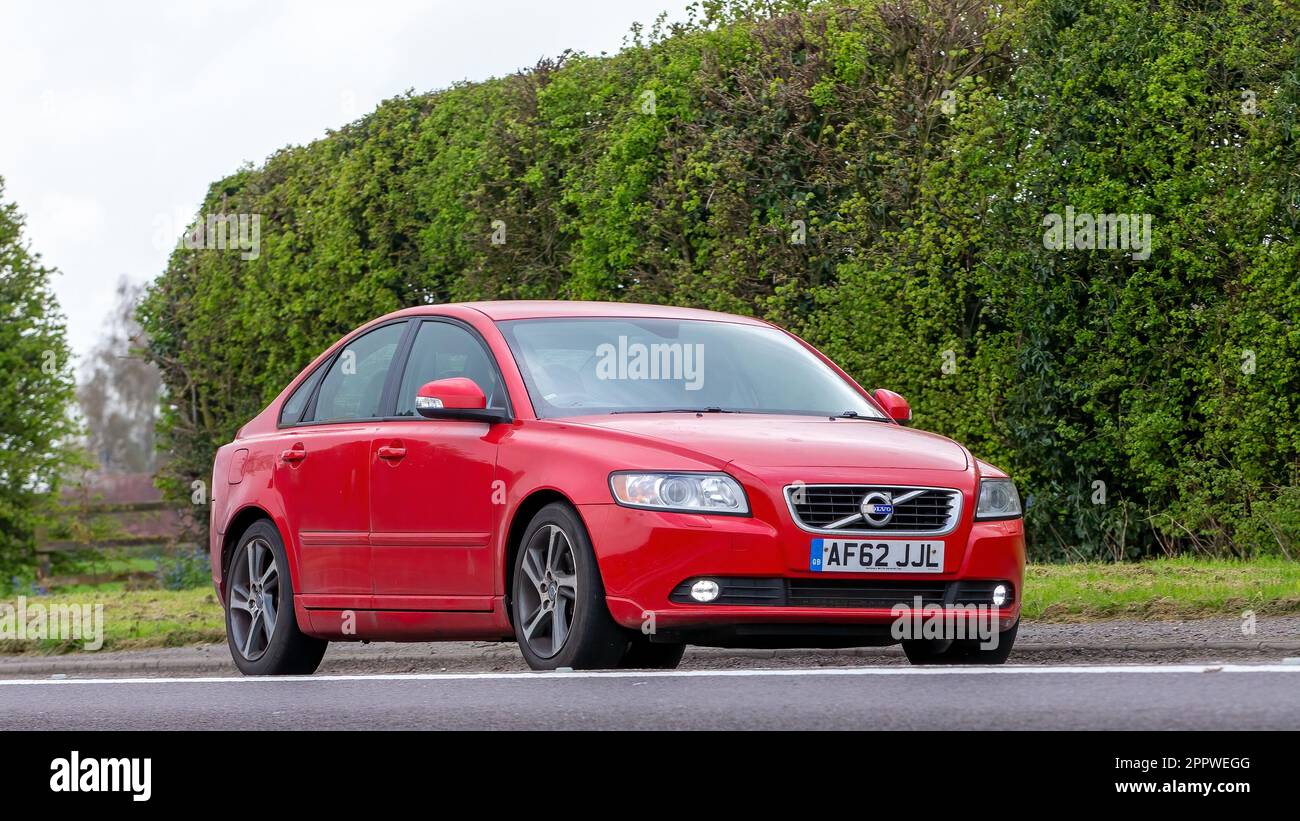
309	410
311	395
391	407
392	382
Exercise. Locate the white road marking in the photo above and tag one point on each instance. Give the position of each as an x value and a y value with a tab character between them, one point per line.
1011	670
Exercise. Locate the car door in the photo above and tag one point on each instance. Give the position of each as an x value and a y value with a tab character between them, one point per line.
433	504
322	469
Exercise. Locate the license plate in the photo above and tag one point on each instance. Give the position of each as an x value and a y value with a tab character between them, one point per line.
875	556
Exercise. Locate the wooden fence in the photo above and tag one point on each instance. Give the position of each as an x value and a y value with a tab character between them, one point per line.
166	531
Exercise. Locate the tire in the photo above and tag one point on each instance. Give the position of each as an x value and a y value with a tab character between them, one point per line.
961	651
558	600
968	651
261	558
643	654
927	651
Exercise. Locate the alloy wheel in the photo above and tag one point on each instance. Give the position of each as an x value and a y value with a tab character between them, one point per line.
254	599
548	593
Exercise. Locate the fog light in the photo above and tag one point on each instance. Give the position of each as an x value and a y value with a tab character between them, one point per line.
705	590
1001	593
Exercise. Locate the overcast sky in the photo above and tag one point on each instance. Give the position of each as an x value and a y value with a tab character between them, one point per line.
115	117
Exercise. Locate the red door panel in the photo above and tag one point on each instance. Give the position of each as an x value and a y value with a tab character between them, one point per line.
432	514
322	475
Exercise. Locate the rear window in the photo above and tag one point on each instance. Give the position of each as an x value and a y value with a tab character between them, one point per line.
293	407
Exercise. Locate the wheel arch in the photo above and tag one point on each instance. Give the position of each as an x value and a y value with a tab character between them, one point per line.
239	523
523	515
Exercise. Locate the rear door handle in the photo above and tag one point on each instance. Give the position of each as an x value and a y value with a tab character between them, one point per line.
393	452
293	455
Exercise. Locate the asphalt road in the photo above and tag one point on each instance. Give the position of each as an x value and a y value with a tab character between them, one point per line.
1226	696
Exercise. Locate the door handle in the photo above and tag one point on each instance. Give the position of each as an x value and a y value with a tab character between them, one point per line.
393	452
293	455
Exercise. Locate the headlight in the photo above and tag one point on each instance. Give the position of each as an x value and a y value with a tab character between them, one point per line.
683	492
998	500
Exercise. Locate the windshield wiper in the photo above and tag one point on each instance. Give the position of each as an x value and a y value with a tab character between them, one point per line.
710	409
852	414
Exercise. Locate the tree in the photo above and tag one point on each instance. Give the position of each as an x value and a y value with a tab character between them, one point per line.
36	392
119	391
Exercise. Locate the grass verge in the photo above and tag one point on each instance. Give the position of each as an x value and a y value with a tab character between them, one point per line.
133	619
1161	589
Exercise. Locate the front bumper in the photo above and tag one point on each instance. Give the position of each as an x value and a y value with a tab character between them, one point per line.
645	556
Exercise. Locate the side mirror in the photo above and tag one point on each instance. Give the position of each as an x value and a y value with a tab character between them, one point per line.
456	398
894	405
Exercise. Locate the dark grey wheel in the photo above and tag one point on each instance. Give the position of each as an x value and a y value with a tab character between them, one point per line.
261	628
643	654
969	651
928	651
548	597
961	651
557	598
254	598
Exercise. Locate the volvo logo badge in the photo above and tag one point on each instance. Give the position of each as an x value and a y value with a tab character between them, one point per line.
877	508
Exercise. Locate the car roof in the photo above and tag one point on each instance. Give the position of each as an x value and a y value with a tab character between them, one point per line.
541	308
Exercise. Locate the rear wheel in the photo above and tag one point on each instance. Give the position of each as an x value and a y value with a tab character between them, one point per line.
261	630
643	654
558	600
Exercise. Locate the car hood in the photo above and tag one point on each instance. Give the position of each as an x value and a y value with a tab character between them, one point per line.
761	440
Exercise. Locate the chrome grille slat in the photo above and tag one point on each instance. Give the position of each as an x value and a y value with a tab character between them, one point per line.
934	511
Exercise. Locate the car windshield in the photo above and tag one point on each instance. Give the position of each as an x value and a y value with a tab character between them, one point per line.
583	366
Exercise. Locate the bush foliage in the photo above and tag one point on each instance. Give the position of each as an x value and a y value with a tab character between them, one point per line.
1144	405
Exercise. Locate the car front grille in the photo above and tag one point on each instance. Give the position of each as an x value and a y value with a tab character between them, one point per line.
837	509
844	593
836	593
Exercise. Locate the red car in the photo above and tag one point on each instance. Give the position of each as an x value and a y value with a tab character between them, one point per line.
603	483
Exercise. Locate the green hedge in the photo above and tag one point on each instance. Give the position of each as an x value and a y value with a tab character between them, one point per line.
921	149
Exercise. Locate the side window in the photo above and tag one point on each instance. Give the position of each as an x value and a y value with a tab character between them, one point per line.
443	350
354	386
293	407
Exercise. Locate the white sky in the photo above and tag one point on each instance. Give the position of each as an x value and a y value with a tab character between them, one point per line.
115	117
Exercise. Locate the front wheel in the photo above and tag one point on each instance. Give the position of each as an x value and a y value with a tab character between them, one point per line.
558	600
261	629
961	651
969	651
928	651
643	654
